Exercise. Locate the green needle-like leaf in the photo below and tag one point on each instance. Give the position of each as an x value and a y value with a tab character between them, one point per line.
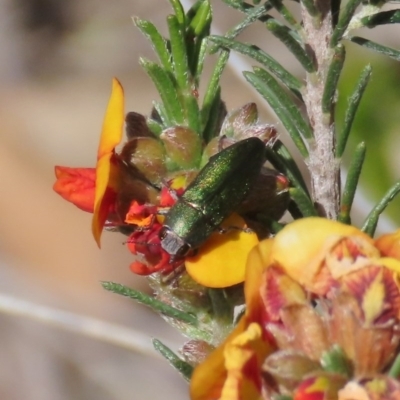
151	302
182	74
303	202
287	111
179	11
351	183
198	69
199	24
369	44
283	10
381	18
280	157
181	366
178	50
239	5
263	58
252	16
287	37
215	117
332	79
371	221
199	19
159	44
213	89
344	21
351	110
309	5
167	91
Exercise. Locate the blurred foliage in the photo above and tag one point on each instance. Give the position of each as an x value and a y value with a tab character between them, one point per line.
375	122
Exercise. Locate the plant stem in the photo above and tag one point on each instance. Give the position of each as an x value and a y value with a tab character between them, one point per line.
323	166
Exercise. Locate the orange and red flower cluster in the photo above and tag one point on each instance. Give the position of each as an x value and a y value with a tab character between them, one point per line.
118	196
318	290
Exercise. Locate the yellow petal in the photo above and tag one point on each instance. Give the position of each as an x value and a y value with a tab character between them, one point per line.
221	261
257	261
302	245
106	171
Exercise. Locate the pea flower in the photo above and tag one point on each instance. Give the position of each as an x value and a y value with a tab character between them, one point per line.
129	190
322	320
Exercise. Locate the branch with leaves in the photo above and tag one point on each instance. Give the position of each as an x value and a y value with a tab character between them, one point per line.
273	308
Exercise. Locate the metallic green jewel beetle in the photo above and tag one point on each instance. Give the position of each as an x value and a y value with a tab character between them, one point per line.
214	194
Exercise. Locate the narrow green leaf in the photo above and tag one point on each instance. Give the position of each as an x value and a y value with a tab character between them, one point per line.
179	11
352	108
282	104
344	20
351	184
238	5
309	5
252	16
215	118
212	90
284	11
199	24
178	50
167	90
151	302
371	221
280	157
199	62
181	366
182	74
381	18
284	76
287	37
159	44
369	44
199	19
332	78
303	202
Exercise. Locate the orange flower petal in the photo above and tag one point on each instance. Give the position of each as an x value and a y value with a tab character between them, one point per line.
244	356
389	244
209	377
302	245
76	185
106	168
221	261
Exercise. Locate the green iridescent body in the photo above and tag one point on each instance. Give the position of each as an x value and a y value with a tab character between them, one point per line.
214	194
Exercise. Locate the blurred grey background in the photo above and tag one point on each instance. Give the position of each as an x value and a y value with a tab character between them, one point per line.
57	62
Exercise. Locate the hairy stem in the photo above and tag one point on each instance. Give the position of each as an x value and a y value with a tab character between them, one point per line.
323	166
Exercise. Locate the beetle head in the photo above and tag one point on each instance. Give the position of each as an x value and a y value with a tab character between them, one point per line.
173	244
